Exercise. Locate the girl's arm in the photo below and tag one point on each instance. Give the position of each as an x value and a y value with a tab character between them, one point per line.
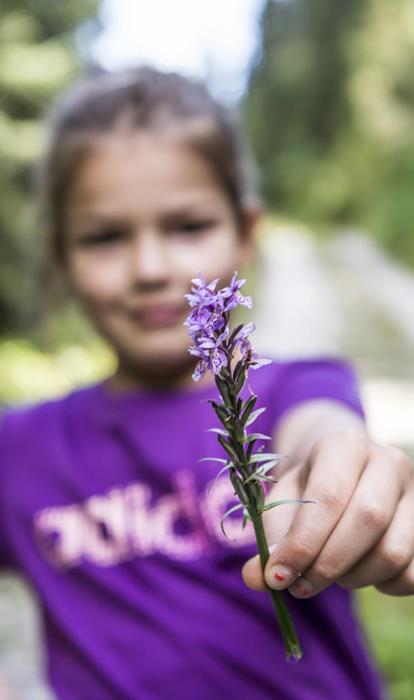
360	530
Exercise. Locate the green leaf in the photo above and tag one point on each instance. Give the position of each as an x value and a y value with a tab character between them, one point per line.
228	512
221	411
256	436
224	373
229	449
219	431
251	419
250	448
248	407
267	467
224	390
232	337
227	466
259	476
246	517
260	471
263	457
282	502
238	386
238	487
238	430
214	459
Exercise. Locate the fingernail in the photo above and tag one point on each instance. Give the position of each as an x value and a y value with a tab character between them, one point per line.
301	588
280	576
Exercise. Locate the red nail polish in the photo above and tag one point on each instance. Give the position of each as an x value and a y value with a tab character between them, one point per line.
301	588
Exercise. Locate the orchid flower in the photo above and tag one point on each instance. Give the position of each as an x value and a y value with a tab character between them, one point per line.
217	348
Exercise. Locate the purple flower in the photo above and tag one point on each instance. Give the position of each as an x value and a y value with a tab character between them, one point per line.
215	347
204	295
242	341
202	292
209	330
232	295
206	317
211	352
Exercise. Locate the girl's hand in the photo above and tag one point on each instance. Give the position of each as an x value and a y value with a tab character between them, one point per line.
359	531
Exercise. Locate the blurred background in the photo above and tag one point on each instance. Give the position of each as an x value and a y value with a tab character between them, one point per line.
325	89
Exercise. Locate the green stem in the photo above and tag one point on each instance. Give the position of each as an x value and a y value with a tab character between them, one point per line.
290	640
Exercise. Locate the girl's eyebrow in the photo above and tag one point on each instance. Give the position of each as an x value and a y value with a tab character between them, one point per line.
189	206
89	216
188	211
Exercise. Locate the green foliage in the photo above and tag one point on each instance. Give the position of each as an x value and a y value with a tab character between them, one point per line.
389	624
29	374
329	110
296	99
38	57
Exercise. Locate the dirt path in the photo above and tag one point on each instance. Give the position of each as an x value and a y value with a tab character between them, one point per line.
343	296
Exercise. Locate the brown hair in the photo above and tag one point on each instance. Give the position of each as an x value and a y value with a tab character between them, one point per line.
140	98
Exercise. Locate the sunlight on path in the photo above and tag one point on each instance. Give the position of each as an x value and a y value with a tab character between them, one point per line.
343	296
20	661
297	312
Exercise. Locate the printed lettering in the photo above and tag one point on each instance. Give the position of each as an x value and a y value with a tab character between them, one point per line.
109	528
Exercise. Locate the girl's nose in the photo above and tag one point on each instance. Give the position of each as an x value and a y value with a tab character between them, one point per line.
149	260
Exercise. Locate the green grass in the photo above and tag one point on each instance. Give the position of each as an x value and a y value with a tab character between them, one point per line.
389	624
29	374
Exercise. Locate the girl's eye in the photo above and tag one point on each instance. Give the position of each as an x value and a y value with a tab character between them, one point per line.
107	237
196	226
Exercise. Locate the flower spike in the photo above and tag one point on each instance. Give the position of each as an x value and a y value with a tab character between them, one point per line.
217	348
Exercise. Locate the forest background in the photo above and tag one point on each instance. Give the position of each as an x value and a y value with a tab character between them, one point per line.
328	107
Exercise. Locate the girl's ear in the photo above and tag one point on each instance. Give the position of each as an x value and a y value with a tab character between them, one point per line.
252	212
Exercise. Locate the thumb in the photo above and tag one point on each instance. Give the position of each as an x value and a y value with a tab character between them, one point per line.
276	524
252	574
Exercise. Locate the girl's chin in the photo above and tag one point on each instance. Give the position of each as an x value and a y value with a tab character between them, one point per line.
159	360
153	373
162	346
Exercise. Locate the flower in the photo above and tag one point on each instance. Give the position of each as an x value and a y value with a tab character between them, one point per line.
228	298
212	354
215	345
232	295
209	330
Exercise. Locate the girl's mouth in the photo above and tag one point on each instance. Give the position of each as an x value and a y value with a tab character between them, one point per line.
158	316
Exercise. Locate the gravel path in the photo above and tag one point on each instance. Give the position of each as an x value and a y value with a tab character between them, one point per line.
343	296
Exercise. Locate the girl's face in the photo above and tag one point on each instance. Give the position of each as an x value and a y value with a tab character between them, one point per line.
144	216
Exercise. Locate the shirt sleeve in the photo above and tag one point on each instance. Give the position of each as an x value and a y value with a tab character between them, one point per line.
304	380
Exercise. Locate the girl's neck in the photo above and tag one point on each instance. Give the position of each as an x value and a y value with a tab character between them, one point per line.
127	379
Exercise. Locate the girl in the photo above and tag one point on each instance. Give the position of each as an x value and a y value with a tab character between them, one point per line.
104	505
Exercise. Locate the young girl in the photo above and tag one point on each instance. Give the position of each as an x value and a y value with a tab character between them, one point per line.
105	507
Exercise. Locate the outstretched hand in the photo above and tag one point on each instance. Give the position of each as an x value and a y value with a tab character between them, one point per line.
358	532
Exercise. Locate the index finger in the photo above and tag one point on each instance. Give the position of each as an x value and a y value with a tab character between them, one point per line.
336	465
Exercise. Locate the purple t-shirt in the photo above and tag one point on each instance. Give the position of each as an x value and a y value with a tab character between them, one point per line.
105	508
